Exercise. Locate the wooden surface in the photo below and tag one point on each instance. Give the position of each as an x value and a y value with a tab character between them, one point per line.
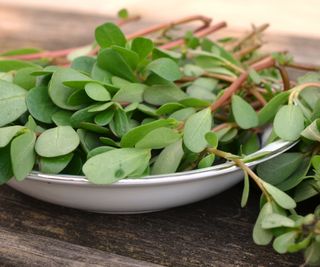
214	232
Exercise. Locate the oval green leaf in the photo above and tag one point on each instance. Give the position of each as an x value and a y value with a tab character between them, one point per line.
244	115
196	127
57	141
289	122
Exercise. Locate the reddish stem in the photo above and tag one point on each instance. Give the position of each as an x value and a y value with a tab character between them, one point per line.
198	34
263	64
64	52
162	26
284	76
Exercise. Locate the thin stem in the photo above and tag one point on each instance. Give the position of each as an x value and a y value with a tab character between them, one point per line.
244	167
263	64
258	96
65	52
218	76
165	26
224	125
301	66
297	90
250	35
198	34
247	50
284	76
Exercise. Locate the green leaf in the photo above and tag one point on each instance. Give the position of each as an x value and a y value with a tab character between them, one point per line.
162	53
25	79
212	139
109	34
251	144
193	70
136	134
312	255
82	115
97	92
267	113
108	141
312	132
315	160
40	105
282	199
62	118
12	102
195	103
282	242
244	115
275	220
115	165
31	124
196	126
278	169
21	51
165	68
169	108
262	236
7	133
169	159
306	189
142	46
123	13
54	165
5	165
131	57
113	62
195	91
296	177
92	127
120	123
162	94
101	107
130	93
158	138
99	150
227	135
100	74
182	114
206	162
58	92
88	140
245	193
9	65
22	154
104	117
147	110
79	98
83	63
57	141
289	122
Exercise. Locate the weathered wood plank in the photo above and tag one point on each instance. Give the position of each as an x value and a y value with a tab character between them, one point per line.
21	249
215	232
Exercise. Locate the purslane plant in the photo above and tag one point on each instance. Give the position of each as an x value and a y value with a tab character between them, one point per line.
133	106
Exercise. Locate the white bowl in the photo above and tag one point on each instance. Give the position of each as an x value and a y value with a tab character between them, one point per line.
148	194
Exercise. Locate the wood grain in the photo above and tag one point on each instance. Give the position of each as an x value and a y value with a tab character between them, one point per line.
215	232
22	249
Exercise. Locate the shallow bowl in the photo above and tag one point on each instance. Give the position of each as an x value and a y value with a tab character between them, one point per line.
148	194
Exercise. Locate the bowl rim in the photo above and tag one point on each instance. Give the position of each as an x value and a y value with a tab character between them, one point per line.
273	149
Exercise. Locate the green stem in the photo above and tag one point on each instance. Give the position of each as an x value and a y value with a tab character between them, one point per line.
297	90
244	167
